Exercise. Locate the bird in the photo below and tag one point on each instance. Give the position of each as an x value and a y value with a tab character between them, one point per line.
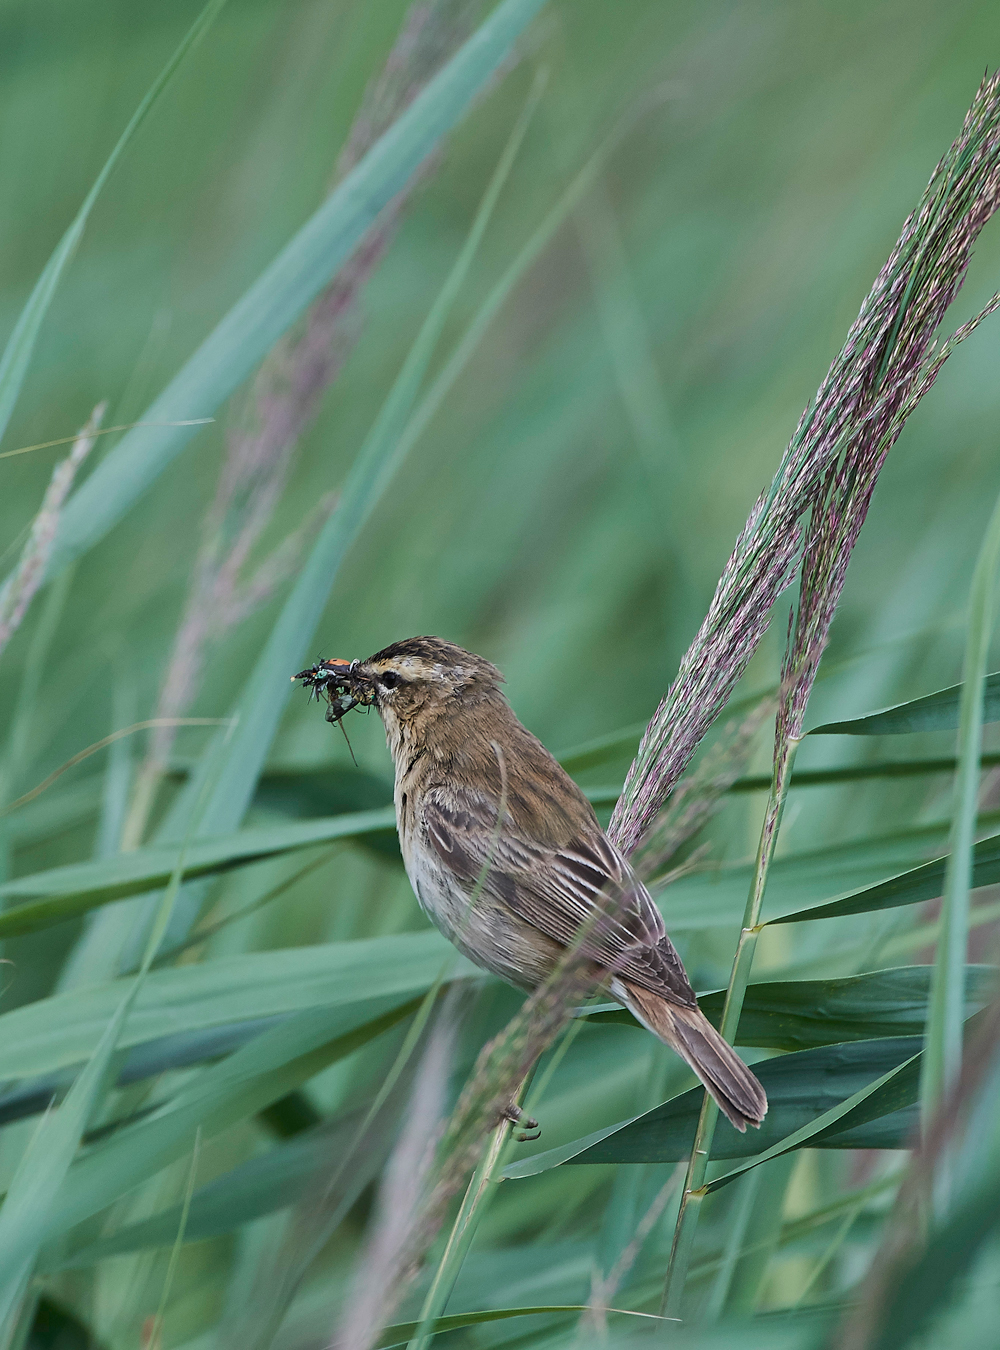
506	856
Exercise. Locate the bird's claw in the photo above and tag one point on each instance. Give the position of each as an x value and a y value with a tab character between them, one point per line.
516	1116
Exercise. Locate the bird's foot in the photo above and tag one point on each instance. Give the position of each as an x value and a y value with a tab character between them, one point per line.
516	1116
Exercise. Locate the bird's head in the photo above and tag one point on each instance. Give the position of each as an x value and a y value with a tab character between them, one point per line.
419	677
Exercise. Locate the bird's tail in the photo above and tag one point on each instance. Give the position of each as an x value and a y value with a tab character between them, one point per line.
689	1032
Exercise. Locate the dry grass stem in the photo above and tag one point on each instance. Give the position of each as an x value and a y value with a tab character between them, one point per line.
19	589
384	1267
604	1288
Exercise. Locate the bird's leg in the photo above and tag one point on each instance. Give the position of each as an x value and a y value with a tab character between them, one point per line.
516	1116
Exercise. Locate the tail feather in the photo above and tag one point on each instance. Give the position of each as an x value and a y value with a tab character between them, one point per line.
691	1035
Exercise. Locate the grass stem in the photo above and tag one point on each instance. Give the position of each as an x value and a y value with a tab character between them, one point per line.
463	1230
946	1012
694	1181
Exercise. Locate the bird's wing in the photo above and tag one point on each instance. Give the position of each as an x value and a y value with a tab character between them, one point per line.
559	889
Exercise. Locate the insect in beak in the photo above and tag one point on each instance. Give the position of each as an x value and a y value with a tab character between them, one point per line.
340	684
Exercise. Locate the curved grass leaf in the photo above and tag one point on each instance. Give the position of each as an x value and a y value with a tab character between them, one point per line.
402	1332
801	1089
248	332
72	890
64	1029
715	897
933	712
243	750
802	1014
20	345
34	1095
261	1185
920	883
219	1096
891	1093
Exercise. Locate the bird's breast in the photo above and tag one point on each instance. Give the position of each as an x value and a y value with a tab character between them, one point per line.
479	924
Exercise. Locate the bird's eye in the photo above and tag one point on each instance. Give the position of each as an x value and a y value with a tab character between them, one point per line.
389	680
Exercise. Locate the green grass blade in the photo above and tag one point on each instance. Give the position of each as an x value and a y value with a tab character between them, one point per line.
17	353
801	1014
64	1029
908	888
403	1332
32	1194
934	712
943	1054
268	688
217	1097
248	332
64	892
715	896
802	1088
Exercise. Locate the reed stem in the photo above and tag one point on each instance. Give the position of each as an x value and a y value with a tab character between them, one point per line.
463	1230
694	1181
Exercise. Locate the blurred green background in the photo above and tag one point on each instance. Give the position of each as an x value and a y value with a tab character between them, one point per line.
569	509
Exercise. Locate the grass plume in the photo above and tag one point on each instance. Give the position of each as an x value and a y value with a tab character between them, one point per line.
819	497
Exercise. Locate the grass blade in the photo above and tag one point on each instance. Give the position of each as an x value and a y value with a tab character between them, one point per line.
943	1055
807	1093
908	888
934	712
17	353
248	332
219	1096
64	1029
802	1014
64	892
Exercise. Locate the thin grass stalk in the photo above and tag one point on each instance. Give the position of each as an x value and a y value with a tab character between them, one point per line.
694	1194
307	1241
524	260
156	1333
463	1230
946	1012
735	1243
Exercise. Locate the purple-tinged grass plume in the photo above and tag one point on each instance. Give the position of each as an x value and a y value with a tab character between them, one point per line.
283	400
819	497
385	1266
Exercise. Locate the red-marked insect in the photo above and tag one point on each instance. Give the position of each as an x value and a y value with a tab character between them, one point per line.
341	686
